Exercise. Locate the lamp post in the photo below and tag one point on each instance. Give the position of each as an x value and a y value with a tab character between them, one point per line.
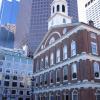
32	87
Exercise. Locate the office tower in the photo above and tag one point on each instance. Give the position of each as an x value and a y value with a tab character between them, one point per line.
31	30
7	35
15	75
93	11
9	11
67	61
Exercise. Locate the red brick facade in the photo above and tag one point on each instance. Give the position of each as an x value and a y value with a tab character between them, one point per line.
73	78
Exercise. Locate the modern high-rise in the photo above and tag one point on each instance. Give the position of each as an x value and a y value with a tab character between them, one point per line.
93	11
15	74
7	35
31	30
9	11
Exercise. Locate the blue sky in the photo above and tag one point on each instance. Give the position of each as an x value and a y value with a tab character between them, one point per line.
81	9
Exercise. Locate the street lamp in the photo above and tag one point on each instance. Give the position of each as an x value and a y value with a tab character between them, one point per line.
32	86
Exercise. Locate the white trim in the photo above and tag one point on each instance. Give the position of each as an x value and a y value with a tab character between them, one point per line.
73	31
82	56
51	35
68	86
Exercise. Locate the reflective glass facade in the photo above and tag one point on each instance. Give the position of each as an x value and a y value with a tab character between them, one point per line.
9	11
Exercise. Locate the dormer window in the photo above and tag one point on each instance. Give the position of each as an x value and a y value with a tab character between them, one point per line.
58	8
52	40
63	8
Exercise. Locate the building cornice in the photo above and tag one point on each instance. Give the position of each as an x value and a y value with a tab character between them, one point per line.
77	58
68	87
73	31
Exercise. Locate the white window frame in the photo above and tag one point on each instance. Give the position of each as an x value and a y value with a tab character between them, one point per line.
52	40
46	62
74	70
37	66
41	64
52	59
64	30
51	77
64	73
41	80
97	93
57	71
58	56
97	69
73	93
73	48
92	48
65	52
45	78
65	95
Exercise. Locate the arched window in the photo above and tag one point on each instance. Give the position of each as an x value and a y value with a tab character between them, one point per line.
52	40
58	8
73	48
64	52
65	96
63	8
58	55
52	58
58	96
98	95
46	62
53	9
51	96
74	71
75	95
96	70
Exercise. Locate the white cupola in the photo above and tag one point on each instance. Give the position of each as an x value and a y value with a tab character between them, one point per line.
59	14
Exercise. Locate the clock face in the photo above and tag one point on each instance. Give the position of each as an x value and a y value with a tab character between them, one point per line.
1	63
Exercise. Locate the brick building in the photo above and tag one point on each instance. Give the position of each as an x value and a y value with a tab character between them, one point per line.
67	62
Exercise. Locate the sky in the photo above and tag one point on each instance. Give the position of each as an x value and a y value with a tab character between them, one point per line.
82	15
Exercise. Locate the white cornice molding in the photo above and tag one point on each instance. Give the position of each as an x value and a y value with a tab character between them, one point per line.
73	31
82	56
68	87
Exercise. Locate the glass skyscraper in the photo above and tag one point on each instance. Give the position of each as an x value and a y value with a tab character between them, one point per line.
9	11
32	31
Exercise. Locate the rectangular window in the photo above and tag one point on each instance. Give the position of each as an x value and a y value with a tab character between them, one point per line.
41	80
14	84
46	62
74	71
94	48
58	75
45	78
6	83
13	92
65	71
51	77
